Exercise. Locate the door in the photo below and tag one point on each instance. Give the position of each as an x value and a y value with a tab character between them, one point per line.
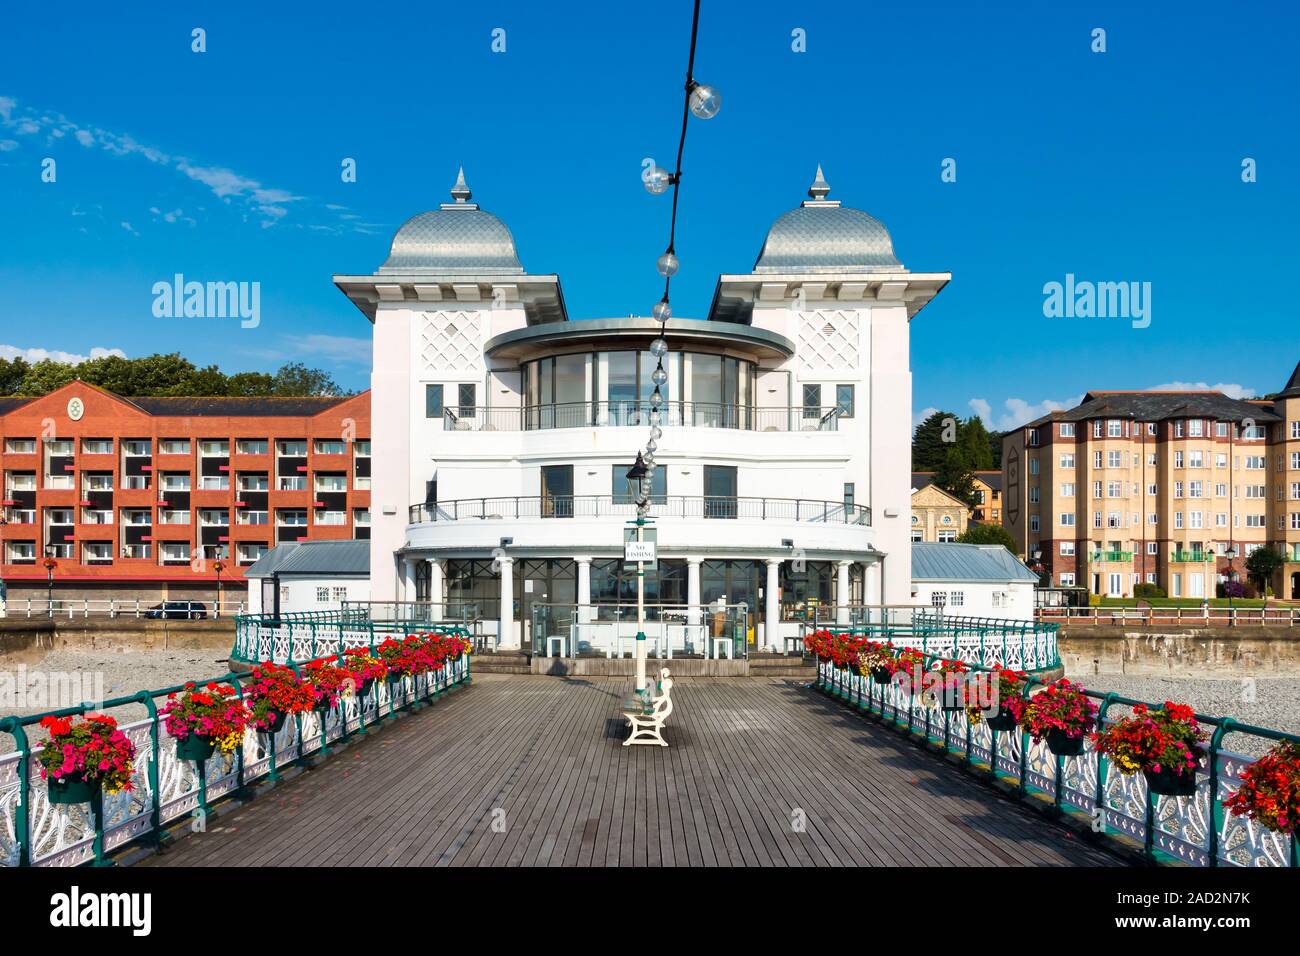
1116	585
1295	586
719	491
549	586
557	491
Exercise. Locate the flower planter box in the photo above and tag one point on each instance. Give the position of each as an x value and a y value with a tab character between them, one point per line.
1003	721
1062	745
73	789
277	723
882	675
195	747
1168	784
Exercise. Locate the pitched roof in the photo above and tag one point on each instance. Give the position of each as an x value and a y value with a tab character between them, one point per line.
261	406
1154	406
921	479
313	558
933	561
1292	389
991	478
9	402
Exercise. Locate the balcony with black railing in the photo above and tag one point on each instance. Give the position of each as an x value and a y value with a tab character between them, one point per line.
799	418
662	506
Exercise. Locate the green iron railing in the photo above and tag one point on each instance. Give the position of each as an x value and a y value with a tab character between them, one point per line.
168	790
1191	557
984	641
307	635
1111	556
1195	830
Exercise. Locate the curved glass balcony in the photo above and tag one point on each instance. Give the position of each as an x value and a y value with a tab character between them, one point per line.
805	418
666	506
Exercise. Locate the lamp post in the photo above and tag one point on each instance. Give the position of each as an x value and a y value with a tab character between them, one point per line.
638	487
50	565
1230	554
218	566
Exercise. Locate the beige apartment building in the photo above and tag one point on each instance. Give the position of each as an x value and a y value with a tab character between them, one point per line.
936	514
1170	488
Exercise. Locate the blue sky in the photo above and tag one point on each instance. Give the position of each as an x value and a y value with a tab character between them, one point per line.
225	165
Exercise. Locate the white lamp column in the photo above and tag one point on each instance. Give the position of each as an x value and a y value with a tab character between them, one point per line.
506	617
437	609
842	592
772	604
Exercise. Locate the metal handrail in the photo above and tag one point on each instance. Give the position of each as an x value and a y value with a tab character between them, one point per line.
1165	828
661	506
1275	615
627	414
114	823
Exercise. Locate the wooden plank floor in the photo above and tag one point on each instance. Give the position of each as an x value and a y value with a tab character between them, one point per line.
530	771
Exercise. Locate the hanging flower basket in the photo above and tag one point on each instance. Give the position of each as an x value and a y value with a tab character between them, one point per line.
1269	792
203	719
274	693
1063	745
73	789
195	747
85	757
1163	743
1009	686
273	722
1166	783
882	675
1063	715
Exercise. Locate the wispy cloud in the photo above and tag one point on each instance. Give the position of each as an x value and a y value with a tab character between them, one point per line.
1232	390
34	355
269	205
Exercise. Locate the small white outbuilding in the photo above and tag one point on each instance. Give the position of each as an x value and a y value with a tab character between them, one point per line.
972	580
309	576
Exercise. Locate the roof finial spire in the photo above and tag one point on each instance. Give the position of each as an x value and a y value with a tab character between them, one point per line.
460	192
820	187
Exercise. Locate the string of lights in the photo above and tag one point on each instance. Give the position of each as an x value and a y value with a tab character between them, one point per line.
702	101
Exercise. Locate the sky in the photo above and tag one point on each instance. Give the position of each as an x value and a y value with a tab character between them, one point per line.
1121	166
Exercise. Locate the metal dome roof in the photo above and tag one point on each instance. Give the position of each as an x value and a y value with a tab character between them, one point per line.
821	236
457	238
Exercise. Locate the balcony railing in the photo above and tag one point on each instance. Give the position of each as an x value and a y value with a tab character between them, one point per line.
1193	557
670	506
805	418
1111	556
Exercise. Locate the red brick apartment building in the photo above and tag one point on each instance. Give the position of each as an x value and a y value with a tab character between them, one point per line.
139	498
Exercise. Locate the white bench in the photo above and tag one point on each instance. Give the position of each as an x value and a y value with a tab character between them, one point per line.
647	728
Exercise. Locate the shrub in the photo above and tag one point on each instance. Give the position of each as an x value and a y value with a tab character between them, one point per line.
1148	591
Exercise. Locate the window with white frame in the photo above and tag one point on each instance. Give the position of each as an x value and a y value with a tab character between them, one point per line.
1067	579
1033	523
1067	429
174	446
1096	459
1067	489
1114	428
1067	519
1067	548
1114	459
251	446
1067	460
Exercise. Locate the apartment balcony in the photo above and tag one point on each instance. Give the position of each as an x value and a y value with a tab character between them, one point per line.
805	418
596	523
1111	557
1191	557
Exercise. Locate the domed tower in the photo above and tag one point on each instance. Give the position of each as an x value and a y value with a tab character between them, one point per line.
828	279
452	281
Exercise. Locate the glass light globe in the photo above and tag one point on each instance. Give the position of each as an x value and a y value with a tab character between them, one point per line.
668	264
656	398
659	377
705	101
658	348
651	447
655	416
656	180
649	460
656	432
662	311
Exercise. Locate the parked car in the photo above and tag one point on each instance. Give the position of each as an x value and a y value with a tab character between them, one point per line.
178	610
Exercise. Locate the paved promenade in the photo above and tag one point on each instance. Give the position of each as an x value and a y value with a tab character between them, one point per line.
530	771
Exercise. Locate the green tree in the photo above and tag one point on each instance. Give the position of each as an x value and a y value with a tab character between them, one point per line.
954	475
12	373
932	440
1263	564
294	378
45	376
974	440
988	534
995	448
250	383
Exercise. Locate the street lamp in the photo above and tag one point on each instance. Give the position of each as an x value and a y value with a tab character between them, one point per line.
1230	554
638	489
50	565
218	567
